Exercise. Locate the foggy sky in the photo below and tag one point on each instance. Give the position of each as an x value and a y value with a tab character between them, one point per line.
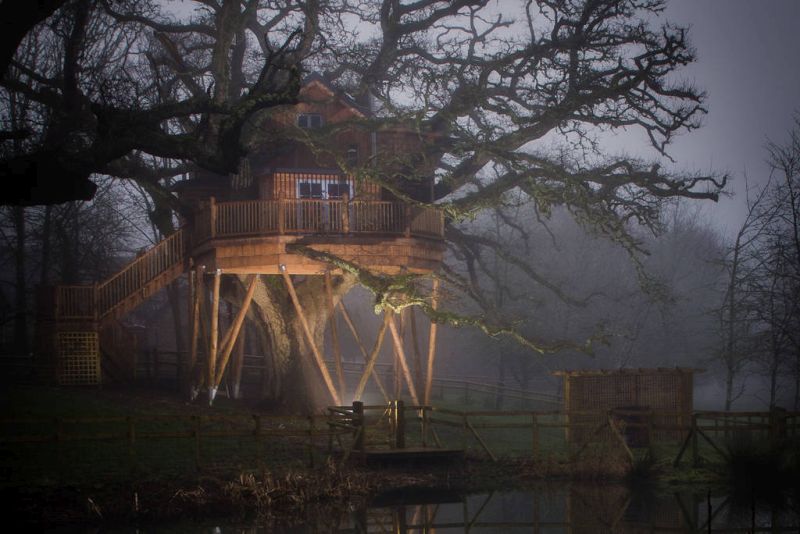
748	60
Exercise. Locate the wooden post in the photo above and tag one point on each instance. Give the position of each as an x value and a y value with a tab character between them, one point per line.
212	210
695	453
238	361
358	424
375	375
281	215
399	424
212	349
535	436
345	213
197	295
369	366
407	217
309	338
234	330
431	343
401	355
337	353
418	379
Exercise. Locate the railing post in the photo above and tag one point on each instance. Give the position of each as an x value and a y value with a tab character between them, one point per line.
212	209
281	216
358	424
345	213
407	221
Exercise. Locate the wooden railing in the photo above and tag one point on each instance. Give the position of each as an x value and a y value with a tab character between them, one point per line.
310	216
166	254
75	302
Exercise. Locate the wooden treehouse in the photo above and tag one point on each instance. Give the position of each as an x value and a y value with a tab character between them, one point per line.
286	196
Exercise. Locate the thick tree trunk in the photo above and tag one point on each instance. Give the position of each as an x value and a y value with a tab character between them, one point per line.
295	382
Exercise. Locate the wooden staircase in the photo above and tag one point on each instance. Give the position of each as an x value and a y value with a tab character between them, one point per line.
92	313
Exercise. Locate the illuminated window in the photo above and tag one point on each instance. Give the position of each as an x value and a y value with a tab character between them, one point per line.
309	190
309	120
338	190
352	156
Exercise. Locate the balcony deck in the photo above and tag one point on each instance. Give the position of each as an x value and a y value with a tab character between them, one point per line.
256	236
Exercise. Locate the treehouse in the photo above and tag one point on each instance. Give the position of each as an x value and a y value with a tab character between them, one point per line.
307	197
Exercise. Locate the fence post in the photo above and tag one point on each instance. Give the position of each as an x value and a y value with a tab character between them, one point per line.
424	426
407	217
358	424
281	216
400	424
695	454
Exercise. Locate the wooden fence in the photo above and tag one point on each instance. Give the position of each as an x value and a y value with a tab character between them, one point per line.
93	302
72	448
536	434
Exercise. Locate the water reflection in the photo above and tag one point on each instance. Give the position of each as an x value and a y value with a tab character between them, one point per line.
574	509
550	508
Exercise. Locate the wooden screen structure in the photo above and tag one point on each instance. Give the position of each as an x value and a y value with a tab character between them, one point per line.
665	392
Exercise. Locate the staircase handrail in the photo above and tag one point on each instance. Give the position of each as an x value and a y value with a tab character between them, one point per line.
135	275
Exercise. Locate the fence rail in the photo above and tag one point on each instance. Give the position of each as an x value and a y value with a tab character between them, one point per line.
31	448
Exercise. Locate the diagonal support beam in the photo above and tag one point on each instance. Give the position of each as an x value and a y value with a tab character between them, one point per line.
369	366
401	356
431	344
375	375
337	353
309	338
233	331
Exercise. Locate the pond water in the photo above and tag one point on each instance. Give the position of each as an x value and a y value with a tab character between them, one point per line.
550	508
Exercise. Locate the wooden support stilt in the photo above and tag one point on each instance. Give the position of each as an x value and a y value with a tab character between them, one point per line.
212	349
337	353
233	333
196	282
401	357
431	344
369	367
237	364
398	373
352	327
309	338
418	379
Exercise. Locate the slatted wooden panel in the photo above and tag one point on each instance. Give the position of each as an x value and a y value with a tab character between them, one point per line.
75	302
426	221
661	390
78	358
298	216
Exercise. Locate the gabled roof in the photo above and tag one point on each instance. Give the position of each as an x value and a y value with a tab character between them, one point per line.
343	97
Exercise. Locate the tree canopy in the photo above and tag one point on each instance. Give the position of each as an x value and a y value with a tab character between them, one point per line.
511	104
